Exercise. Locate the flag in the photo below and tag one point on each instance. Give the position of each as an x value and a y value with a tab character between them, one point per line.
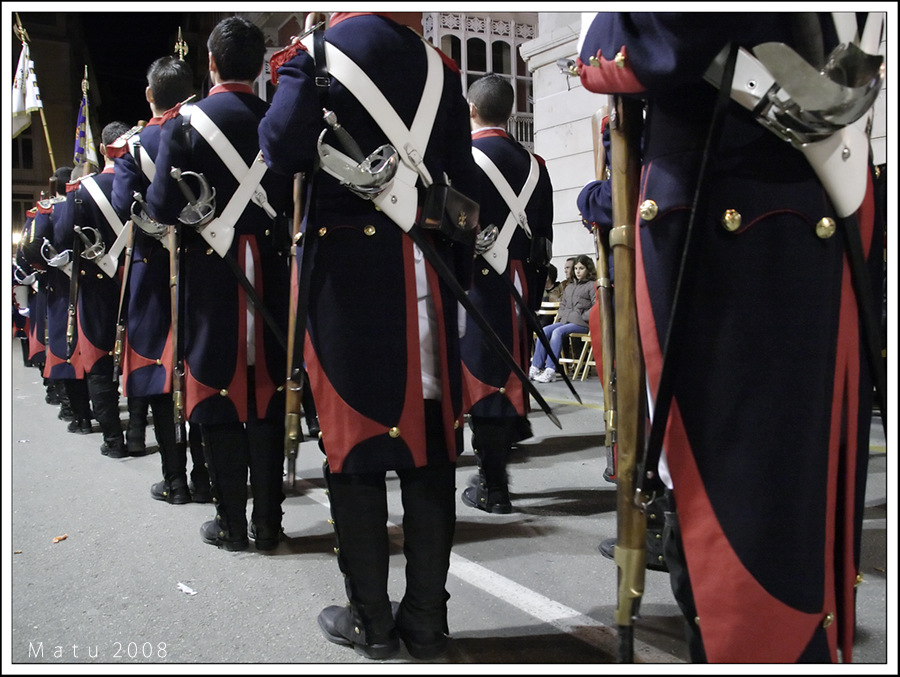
85	148
26	97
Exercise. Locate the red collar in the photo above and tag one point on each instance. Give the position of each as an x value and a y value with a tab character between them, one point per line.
109	170
231	87
486	133
337	17
154	121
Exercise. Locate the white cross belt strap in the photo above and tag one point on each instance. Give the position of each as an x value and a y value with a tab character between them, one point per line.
400	200
143	159
498	255
228	155
109	262
219	233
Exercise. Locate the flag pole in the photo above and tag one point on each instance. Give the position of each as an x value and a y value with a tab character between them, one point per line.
22	34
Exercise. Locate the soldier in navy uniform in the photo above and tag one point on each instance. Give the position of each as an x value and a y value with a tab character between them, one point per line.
98	292
496	401
37	319
383	351
147	360
768	439
59	365
234	366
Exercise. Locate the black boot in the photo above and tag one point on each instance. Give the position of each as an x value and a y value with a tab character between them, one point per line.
309	409
492	439
77	402
199	484
266	439
135	434
104	393
172	454
656	521
227	451
359	515
429	518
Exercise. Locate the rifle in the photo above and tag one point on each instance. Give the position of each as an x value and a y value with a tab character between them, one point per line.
120	323
605	302
73	284
631	521
294	384
173	235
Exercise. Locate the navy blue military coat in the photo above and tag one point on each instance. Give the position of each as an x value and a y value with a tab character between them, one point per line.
491	387
362	352
147	357
57	364
30	261
98	294
769	424
215	306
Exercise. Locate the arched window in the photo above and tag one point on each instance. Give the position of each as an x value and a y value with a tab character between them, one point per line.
476	55
451	46
500	57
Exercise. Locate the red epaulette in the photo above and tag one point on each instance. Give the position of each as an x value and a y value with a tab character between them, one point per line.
32	212
171	113
119	147
450	63
281	57
73	185
45	210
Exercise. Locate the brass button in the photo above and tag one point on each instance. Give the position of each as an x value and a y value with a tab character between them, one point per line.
828	620
697	621
859	580
455	425
144	260
620	58
649	210
502	391
268	232
223	392
594	61
370	230
336	551
825	227
322	232
279	388
158	361
209	251
331	521
356	629
394	432
99	276
484	271
731	220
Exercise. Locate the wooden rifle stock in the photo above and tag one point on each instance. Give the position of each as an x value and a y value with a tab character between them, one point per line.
72	322
123	293
178	358
294	384
605	302
631	521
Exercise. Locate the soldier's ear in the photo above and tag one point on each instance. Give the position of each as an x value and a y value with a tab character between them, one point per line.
148	94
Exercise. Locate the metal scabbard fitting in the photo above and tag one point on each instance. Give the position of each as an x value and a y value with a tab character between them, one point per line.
367	178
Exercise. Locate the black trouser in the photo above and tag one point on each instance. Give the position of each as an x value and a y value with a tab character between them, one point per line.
359	511
231	449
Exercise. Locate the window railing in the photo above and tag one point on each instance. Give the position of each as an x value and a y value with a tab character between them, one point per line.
521	128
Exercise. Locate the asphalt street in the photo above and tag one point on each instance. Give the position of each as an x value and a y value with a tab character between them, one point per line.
130	583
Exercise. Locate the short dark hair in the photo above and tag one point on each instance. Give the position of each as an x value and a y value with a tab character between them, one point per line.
113	131
552	272
493	97
62	175
170	80
238	46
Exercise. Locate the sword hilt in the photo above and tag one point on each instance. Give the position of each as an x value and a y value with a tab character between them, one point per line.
175	173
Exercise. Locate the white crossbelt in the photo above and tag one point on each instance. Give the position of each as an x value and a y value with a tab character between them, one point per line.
145	162
498	255
400	200
219	233
109	262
